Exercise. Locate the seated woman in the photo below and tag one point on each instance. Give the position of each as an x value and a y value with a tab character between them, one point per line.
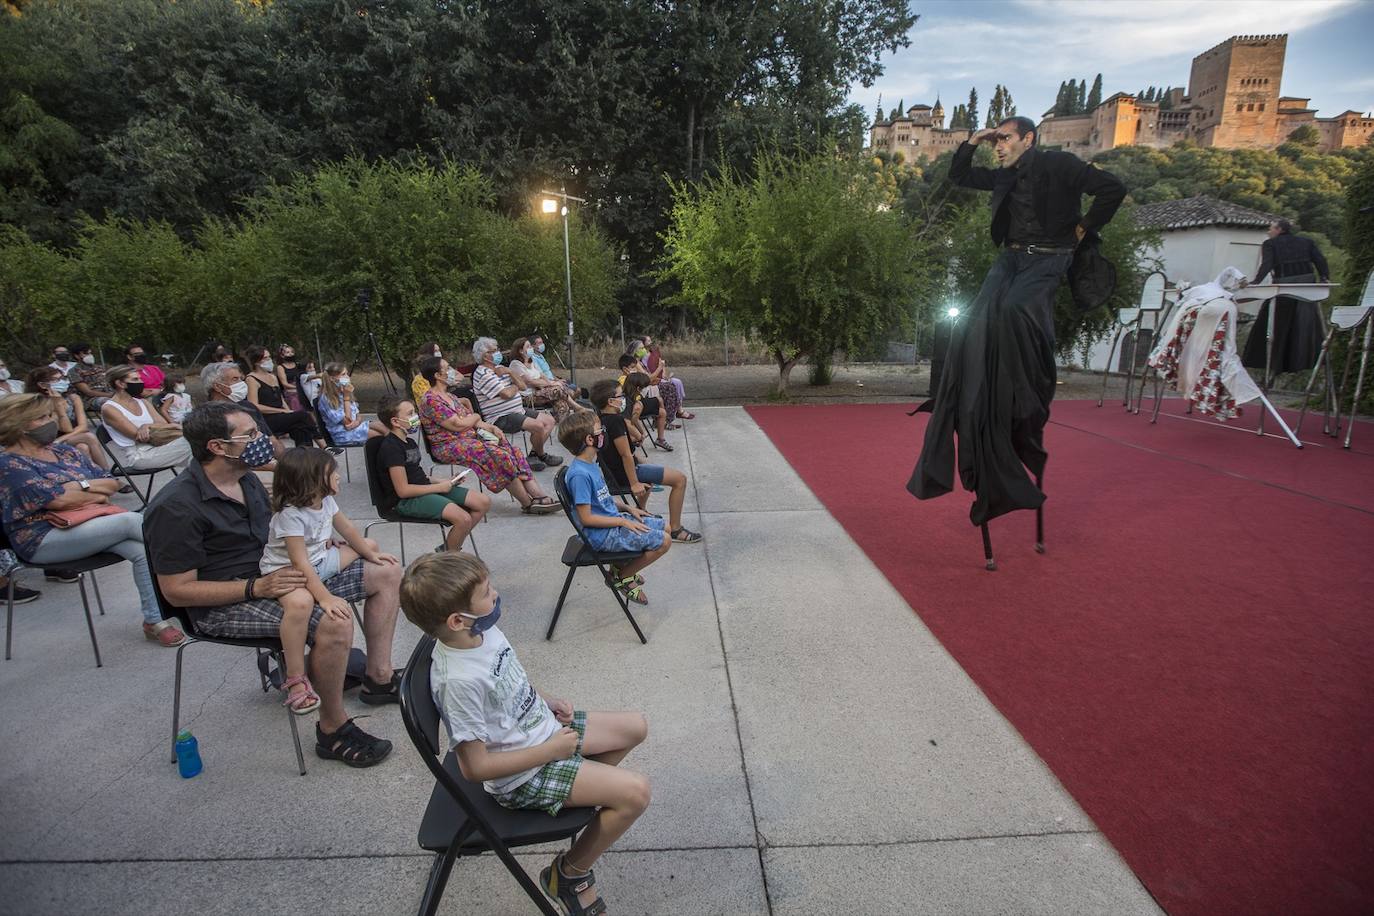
288	373
644	396
553	396
72	427
664	393
265	392
418	385
338	408
133	424
654	363
457	435
617	456
39	475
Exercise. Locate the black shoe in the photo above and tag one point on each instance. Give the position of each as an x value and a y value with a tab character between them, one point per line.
24	595
375	694
534	463
60	575
552	461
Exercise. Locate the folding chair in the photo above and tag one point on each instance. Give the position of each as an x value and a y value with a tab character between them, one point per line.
461	819
577	553
329	440
1343	318
374	489
118	470
82	568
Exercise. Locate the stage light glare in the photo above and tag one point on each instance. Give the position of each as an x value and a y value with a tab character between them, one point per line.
549	205
953	311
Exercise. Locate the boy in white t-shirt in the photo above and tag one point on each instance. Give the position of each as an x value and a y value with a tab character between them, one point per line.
526	751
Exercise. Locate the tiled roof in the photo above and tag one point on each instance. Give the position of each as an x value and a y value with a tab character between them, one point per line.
1195	212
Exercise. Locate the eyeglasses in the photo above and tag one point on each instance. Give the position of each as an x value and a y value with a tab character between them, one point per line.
254	436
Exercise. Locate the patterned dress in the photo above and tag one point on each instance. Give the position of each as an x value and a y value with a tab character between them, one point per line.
27	485
495	463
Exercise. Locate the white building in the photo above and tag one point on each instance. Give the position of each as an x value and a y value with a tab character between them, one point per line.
1200	237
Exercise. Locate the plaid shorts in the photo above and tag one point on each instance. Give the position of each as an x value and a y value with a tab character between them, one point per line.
552	783
261	617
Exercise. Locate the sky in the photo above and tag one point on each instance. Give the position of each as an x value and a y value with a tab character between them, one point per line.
1030	46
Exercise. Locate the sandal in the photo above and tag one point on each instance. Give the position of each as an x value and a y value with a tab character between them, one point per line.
563	890
303	703
351	745
673	426
684	536
615	574
662	445
378	694
684	415
537	508
631	589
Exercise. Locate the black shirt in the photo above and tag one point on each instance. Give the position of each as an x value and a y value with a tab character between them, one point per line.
396	453
1288	255
1024	226
191	525
615	428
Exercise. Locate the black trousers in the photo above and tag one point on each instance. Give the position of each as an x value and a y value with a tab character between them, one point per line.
995	391
298	424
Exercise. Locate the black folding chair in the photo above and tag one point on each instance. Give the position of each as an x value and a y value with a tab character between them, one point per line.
183	618
577	553
329	440
82	568
118	470
461	819
384	517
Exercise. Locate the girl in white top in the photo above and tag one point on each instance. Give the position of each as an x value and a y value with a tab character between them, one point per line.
176	403
305	518
130	421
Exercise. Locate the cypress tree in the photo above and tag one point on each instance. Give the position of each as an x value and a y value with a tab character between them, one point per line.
1095	94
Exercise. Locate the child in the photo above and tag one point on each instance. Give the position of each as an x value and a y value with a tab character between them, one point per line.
309	384
617	452
406	489
509	737
606	524
636	387
304	516
176	403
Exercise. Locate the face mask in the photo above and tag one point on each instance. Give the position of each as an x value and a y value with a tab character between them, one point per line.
451	377
599	440
498	357
267	365
140	358
257	452
62	358
88	359
238	391
438	354
60	386
527	352
4	375
179	389
540	348
481	624
413	423
641	353
45	434
135	389
288	356
345	382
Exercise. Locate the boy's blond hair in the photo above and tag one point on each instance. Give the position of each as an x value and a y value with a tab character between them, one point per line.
574	430
438	585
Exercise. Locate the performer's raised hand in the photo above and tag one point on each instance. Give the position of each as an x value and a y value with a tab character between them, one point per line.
987	134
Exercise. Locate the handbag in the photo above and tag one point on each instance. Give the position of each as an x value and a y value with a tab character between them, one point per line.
70	518
163	435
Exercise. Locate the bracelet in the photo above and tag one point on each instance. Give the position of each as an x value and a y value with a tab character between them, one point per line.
248	588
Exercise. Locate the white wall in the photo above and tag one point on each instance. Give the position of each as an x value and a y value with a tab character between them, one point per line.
1196	256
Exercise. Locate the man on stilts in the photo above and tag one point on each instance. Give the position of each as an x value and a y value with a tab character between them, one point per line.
999	378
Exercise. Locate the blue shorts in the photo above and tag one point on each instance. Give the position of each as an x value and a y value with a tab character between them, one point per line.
615	539
328	567
649	473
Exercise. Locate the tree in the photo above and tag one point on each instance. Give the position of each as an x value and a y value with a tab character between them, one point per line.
1080	102
806	252
1306	135
1095	93
972	111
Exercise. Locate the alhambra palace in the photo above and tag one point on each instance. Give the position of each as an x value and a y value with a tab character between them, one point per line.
1232	101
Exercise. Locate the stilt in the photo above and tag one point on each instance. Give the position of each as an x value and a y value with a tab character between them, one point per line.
1039	518
987	548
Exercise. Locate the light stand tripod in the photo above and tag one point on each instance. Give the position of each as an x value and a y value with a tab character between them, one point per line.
365	303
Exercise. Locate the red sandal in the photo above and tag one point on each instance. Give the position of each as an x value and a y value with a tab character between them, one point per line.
303	703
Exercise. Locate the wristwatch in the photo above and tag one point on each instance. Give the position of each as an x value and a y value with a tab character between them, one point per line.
84	484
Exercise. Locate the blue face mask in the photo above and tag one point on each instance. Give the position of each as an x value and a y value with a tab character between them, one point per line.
498	357
541	348
257	452
481	624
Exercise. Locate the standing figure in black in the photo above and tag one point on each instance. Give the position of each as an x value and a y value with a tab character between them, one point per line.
999	379
1297	323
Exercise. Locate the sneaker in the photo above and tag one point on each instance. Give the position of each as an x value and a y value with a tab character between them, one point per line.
535	463
24	595
165	633
60	575
552	461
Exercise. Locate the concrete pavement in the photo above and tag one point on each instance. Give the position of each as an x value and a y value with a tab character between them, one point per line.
803	760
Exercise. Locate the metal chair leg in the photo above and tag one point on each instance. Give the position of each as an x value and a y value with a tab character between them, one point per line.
99	602
562	596
1106	371
90	624
987	548
1307	392
624	605
176	700
291	717
9	614
402	526
1359	379
439	871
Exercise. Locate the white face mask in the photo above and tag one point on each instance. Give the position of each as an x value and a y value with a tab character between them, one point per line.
452	377
179	389
88	359
238	391
345	382
4	374
267	365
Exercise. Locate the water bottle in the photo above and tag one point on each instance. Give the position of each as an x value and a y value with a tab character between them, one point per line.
188	754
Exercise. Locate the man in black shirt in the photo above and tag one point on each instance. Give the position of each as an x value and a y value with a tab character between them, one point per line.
406	489
205	533
999	378
1297	322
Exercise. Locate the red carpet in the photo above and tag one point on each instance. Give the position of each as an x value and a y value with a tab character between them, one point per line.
1193	658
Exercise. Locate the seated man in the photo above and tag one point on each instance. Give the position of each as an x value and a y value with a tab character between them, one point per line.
88	378
206	531
224	381
498	401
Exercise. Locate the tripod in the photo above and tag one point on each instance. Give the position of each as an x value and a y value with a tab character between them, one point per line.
365	303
